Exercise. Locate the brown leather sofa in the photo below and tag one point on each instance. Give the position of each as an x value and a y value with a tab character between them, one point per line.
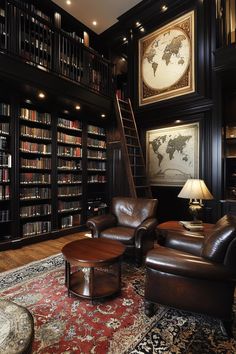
195	273
131	221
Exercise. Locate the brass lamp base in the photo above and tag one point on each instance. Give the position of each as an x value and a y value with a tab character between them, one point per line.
195	209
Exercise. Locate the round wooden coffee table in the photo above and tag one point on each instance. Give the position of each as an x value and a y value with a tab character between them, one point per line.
93	267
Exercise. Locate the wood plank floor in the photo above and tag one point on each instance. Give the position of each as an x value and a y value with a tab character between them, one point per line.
15	258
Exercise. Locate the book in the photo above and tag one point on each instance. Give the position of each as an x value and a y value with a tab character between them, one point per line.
192	225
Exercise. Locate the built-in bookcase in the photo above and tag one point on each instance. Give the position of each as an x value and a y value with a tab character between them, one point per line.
52	172
96	169
35	172
5	171
69	172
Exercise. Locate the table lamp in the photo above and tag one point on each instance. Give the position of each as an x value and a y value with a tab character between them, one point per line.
195	190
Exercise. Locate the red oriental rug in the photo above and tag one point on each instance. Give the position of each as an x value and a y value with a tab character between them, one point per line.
71	325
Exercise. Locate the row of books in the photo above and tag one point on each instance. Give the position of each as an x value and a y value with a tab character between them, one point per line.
69	205
96	143
34	178
70	220
4	192
35	210
69	191
39	163
4	159
69	151
37	133
3	143
69	124
92	129
4	108
4	215
69	139
4	175
4	128
35	193
97	154
96	179
69	164
2	12
27	146
35	228
35	116
96	165
69	178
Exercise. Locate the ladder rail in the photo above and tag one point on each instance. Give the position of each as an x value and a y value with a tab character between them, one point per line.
141	151
125	150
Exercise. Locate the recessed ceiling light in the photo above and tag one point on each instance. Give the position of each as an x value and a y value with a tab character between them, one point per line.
164	8
142	29
103	115
94	23
137	24
77	107
41	95
66	111
123	59
178	121
28	101
68	2
124	39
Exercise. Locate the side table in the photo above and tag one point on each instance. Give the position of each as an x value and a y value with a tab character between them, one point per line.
93	267
163	229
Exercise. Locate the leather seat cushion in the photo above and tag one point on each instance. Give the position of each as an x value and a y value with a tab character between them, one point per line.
120	233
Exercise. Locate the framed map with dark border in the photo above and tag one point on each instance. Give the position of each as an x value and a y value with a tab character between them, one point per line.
166	61
172	154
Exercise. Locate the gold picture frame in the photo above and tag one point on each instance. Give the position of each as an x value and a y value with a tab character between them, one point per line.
172	154
166	61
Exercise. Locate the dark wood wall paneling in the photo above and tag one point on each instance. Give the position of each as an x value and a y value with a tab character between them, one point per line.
198	106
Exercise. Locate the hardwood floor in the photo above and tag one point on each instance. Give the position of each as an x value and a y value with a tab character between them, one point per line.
15	258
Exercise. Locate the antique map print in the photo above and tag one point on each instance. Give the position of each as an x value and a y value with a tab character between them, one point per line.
172	154
166	61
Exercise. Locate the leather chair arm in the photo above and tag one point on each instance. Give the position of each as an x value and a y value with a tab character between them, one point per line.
101	222
146	227
172	261
185	242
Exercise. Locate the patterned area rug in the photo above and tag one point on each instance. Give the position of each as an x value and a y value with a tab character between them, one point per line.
117	326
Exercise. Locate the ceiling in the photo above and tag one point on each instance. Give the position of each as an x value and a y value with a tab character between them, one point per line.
105	12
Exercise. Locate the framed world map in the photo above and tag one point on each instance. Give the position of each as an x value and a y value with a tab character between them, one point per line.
166	61
173	154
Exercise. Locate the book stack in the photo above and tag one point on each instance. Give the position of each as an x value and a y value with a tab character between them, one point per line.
192	225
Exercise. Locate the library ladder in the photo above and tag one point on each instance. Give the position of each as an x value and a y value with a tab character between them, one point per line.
131	150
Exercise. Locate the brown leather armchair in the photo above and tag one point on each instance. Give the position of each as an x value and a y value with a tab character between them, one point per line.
131	221
195	273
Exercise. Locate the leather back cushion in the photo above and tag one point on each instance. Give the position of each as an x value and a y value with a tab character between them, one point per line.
217	242
132	212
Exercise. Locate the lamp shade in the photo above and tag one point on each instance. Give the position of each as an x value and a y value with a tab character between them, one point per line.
195	189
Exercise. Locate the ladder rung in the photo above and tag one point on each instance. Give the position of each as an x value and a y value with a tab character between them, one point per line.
132	145
131	136
125	110
122	101
127	119
125	127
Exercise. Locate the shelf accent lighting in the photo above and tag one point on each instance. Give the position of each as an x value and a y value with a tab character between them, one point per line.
164	8
41	95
